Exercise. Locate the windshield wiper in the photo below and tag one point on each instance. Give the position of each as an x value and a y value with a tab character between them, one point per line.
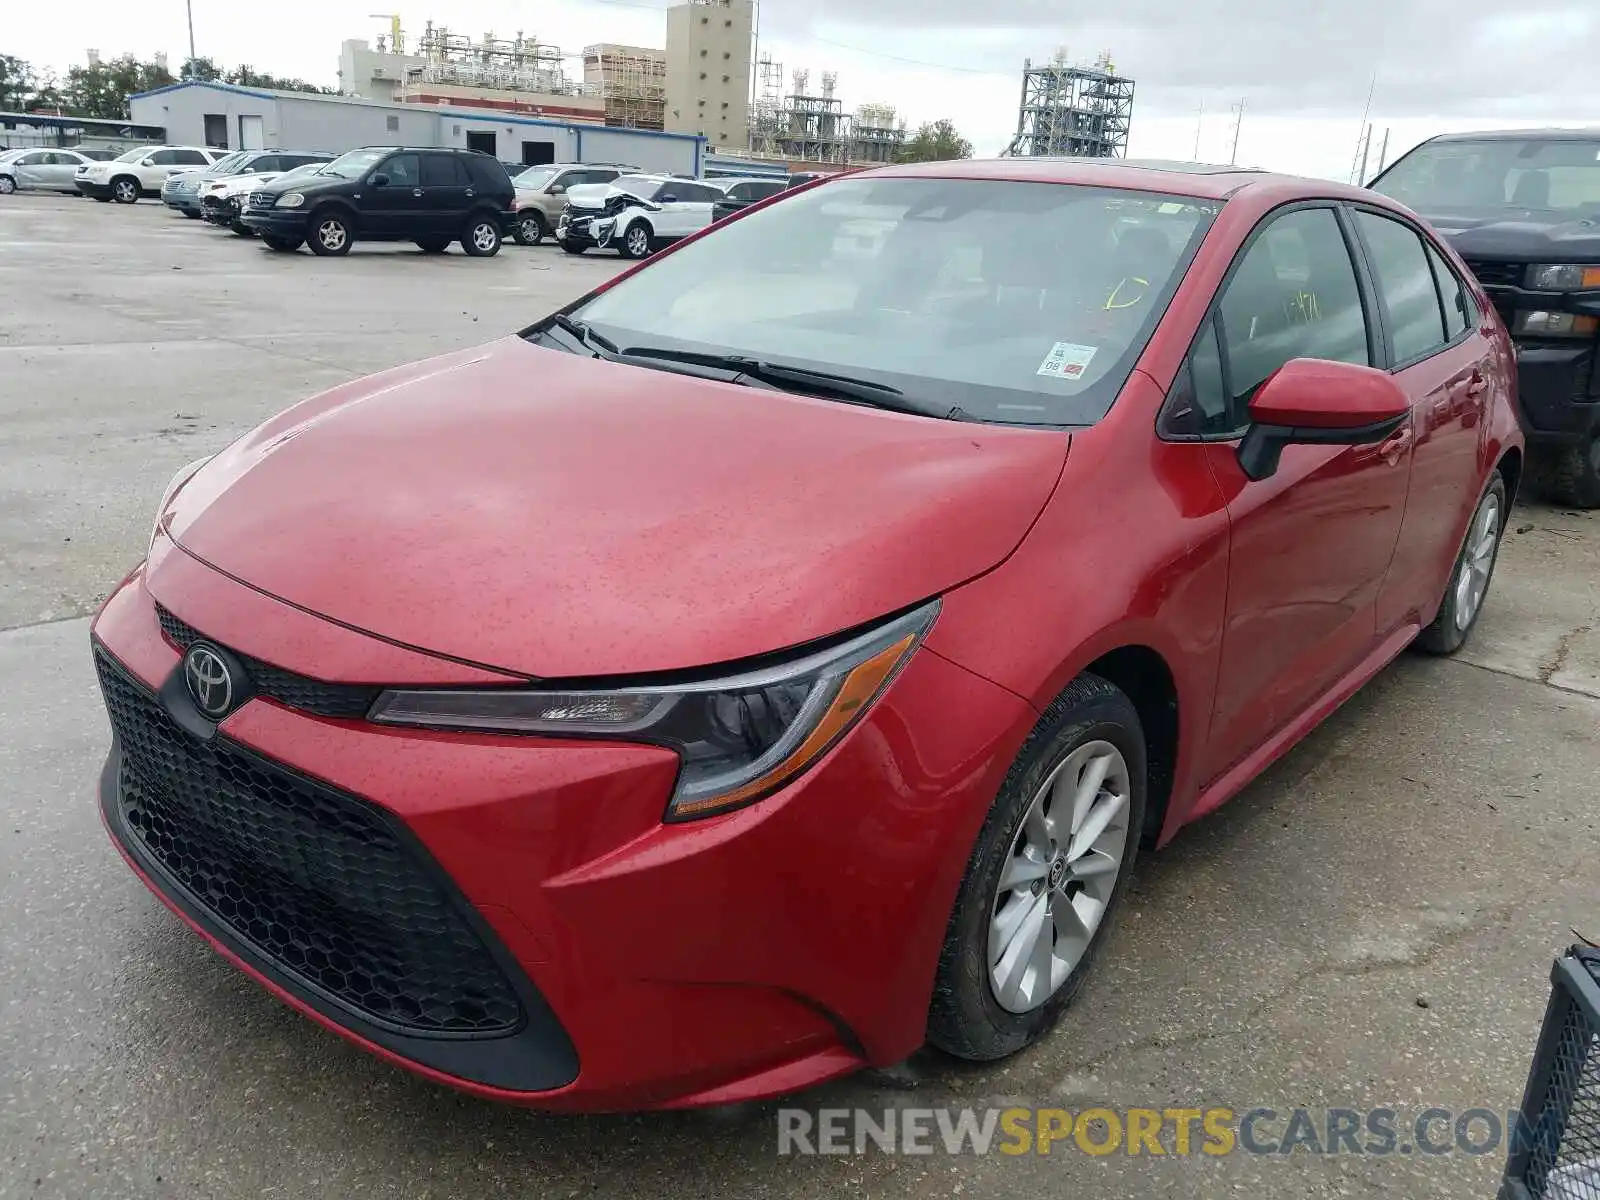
584	332
788	378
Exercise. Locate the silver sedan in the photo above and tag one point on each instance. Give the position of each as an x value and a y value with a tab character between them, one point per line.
40	170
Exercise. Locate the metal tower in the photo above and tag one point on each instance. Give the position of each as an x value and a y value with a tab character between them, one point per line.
1073	111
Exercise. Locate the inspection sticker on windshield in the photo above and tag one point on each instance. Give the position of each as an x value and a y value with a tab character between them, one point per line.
1067	361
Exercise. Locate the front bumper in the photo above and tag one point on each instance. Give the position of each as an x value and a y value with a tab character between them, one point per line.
221	210
1557	391
586	231
714	961
93	188
276	222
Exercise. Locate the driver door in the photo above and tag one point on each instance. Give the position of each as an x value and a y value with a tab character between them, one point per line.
392	200
1311	543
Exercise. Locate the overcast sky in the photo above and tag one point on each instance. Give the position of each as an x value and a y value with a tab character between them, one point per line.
1303	69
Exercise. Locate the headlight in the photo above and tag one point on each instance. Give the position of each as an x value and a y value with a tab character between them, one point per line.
1562	277
1554	324
173	488
291	200
740	737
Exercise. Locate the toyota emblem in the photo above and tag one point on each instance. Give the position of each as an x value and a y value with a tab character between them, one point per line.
209	680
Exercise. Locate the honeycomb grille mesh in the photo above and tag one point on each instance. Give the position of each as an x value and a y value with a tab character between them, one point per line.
1565	1164
318	882
346	700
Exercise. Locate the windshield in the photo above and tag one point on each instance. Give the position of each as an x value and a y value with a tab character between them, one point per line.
1023	303
355	162
1485	175
8	155
229	163
132	155
535	177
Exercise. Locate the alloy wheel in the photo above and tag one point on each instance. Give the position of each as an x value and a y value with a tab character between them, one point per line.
483	236
1058	882
638	242
7	185
1483	542
332	234
126	191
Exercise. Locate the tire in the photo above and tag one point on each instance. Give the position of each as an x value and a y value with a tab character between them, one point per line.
529	229
193	216
481	236
240	228
7	185
433	245
636	241
1572	478
125	189
329	233
573	248
102	199
1092	727
1471	576
281	244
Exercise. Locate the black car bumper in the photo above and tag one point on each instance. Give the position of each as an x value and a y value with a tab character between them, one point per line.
276	222
96	190
221	212
1557	391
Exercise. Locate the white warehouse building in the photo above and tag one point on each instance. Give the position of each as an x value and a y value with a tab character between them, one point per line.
241	118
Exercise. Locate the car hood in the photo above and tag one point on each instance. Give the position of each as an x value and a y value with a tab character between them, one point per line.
557	516
595	195
1519	235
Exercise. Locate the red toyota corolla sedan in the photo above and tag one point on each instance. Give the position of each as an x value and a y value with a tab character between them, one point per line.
776	659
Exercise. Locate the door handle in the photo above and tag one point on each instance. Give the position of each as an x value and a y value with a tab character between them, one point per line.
1396	444
1476	386
416	191
471	193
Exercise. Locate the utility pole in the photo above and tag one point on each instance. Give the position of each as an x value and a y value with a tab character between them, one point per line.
1383	153
1366	150
188	6
1238	126
1199	125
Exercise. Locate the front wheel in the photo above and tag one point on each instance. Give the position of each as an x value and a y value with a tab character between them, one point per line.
125	190
481	237
7	185
636	242
281	244
330	234
1469	582
529	229
1573	478
190	213
432	245
573	248
1050	866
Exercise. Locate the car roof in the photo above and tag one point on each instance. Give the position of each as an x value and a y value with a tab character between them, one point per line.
1518	135
1203	181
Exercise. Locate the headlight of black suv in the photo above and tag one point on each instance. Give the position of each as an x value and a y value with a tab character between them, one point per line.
741	736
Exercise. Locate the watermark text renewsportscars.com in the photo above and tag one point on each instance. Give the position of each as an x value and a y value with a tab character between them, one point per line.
1212	1131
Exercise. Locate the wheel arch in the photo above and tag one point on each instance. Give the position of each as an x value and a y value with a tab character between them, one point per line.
1142	674
335	204
1510	468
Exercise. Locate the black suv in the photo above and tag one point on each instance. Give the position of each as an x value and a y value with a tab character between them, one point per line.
426	195
1522	207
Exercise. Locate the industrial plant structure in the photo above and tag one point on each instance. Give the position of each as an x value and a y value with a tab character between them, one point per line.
813	127
1073	111
630	80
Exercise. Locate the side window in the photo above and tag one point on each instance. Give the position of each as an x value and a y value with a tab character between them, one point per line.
443	170
189	158
267	162
1199	405
1405	281
163	158
37	158
1293	295
1457	306
402	170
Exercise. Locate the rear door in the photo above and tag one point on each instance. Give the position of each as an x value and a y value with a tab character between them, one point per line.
447	190
1446	366
1312	543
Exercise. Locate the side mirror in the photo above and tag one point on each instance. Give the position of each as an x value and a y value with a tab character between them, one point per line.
1313	402
556	189
379	180
148	161
667	198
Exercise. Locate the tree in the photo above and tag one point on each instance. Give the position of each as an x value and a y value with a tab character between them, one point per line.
102	89
935	141
247	76
17	84
199	70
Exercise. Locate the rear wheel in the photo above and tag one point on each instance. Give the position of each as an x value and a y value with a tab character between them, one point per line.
280	243
637	240
481	237
103	199
1469	582
1050	866
573	248
432	245
529	229
330	233
125	189
190	213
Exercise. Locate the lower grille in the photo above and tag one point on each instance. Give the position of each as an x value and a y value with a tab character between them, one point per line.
319	882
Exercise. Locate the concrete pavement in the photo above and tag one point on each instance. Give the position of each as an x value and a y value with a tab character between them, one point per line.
1369	924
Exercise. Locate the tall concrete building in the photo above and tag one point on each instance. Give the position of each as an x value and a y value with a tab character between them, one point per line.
708	70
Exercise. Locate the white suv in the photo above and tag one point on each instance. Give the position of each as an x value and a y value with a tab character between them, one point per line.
637	214
140	172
